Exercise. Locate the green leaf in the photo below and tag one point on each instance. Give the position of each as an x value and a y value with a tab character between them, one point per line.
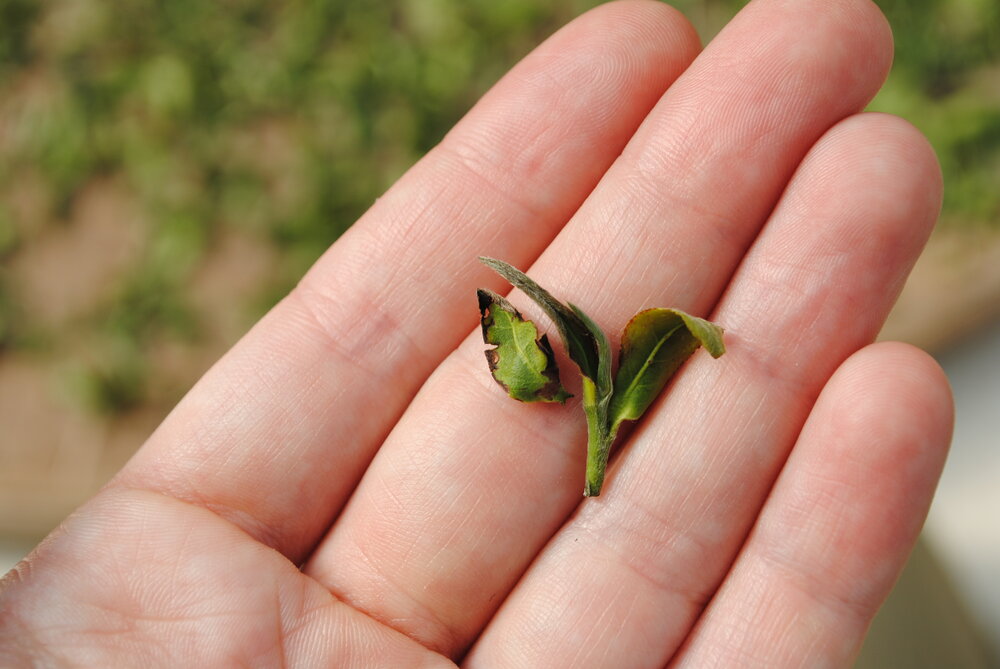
602	378
655	343
581	346
522	362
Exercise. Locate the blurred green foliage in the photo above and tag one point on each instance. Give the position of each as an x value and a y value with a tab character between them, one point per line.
946	80
286	120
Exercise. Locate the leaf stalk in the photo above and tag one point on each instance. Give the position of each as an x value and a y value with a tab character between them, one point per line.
599	440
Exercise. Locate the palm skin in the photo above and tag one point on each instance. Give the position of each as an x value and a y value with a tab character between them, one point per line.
347	487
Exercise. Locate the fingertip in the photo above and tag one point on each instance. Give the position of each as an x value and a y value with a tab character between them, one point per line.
868	14
865	30
880	146
648	23
841	520
881	428
862	475
858	27
918	392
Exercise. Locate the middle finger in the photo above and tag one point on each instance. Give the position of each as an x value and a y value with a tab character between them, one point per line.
469	485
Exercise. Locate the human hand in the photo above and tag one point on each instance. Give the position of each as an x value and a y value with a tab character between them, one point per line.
757	516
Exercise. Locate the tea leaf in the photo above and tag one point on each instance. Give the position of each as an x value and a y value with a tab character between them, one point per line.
581	346
522	362
655	343
602	378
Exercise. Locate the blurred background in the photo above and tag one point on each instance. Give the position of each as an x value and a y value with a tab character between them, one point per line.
169	169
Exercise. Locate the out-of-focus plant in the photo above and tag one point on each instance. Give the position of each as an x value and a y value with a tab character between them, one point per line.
286	120
280	120
946	79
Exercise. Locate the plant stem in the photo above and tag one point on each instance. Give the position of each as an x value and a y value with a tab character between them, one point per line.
599	440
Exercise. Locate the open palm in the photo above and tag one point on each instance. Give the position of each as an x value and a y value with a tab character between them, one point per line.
348	487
